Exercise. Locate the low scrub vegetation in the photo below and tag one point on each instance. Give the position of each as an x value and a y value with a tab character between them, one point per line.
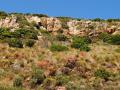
57	47
16	38
102	74
3	15
37	77
97	19
81	43
29	43
14	42
17	82
38	59
112	39
61	37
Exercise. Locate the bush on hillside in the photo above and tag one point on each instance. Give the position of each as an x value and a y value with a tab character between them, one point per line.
29	43
17	82
49	84
64	21
4	33
102	73
25	34
40	15
112	39
105	37
22	20
37	77
56	47
113	20
3	15
115	39
81	43
62	79
14	42
97	20
61	37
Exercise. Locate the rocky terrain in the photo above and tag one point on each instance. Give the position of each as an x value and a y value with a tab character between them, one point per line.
38	52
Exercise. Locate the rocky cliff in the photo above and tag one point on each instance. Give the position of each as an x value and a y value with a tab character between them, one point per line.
52	24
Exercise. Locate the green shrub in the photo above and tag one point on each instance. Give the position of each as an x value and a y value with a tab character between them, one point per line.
97	20
80	43
5	87
31	35
65	26
22	20
3	15
44	32
40	15
60	31
87	39
62	79
4	33
109	20
85	48
73	86
49	84
79	19
112	39
29	43
61	37
17	82
105	37
56	47
102	73
64	21
14	42
115	39
113	20
37	77
25	33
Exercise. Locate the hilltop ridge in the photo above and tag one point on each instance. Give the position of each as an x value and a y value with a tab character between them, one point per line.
53	24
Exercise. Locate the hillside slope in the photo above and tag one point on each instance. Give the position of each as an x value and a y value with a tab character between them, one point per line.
38	52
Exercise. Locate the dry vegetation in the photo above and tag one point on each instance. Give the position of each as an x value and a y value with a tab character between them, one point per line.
29	61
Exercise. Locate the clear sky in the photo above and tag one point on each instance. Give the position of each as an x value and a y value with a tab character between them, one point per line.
73	8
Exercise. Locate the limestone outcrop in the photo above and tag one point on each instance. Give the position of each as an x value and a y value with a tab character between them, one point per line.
53	24
9	22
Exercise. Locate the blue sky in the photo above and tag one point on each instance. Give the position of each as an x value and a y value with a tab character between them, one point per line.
73	8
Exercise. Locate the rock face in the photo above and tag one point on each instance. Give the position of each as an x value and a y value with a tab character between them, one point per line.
9	22
51	24
75	27
46	23
33	19
73	30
